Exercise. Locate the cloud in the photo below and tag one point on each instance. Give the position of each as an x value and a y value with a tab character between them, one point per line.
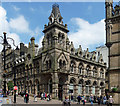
5	27
88	35
40	41
20	24
15	8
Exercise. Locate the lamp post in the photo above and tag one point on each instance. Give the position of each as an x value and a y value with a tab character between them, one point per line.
5	43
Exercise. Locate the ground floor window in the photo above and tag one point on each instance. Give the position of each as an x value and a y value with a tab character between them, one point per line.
71	87
87	89
79	89
93	90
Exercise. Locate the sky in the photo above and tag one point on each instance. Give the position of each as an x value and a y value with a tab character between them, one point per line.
23	20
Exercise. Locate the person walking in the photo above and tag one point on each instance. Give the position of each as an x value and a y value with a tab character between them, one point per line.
27	97
98	99
104	100
83	100
79	98
111	101
91	99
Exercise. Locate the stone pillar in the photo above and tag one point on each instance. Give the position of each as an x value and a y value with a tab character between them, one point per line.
83	89
55	82
90	90
97	91
103	91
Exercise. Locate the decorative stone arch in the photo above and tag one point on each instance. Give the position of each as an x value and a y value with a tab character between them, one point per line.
101	84
88	69
94	71
101	73
80	68
47	62
81	81
95	83
88	86
62	60
80	86
72	66
72	86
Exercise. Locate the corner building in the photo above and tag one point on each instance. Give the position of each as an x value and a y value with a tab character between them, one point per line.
113	44
58	68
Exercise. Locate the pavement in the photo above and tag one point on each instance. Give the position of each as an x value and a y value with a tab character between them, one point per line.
20	100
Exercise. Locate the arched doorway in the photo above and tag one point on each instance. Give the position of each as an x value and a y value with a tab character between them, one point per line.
60	88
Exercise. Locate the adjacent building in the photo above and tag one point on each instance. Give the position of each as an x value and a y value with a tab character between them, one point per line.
57	67
113	44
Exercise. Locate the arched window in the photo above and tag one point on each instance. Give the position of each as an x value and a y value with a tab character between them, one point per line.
49	63
64	63
72	51
60	63
80	68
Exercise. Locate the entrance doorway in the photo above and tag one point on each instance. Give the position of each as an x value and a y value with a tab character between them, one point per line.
60	91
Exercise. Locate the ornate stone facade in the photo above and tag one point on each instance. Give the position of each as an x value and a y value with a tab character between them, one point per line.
57	68
113	44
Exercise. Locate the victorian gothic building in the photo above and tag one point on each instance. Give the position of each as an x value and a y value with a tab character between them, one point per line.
57	67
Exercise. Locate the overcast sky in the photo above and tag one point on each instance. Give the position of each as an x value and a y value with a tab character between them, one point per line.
24	20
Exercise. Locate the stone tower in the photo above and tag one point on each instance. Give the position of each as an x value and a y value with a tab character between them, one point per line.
113	44
55	49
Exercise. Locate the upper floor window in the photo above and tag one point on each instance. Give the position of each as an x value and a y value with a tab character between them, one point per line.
72	66
48	64
80	69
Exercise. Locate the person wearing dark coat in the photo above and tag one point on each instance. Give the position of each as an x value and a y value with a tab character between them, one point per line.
79	98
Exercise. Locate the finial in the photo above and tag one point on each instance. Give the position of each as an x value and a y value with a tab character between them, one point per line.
55	5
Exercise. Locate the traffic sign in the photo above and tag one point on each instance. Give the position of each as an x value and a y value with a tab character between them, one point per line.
15	87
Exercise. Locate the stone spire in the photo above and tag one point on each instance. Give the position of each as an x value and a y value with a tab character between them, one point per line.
55	15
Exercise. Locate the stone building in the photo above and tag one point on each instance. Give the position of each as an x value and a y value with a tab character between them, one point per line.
113	44
57	67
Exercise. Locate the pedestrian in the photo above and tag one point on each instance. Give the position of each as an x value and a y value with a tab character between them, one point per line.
91	99
35	98
79	98
104	100
101	99
111	101
83	100
66	102
27	97
98	99
41	96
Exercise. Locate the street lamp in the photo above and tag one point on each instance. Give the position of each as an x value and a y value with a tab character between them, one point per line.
5	44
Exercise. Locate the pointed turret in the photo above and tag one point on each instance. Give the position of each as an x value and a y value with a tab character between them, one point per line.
55	15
